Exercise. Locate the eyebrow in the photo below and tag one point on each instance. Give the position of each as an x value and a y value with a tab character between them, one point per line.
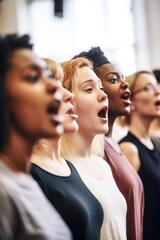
115	73
87	81
35	67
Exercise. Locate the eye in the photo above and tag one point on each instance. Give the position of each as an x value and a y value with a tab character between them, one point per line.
33	77
149	87
114	80
88	90
102	89
49	74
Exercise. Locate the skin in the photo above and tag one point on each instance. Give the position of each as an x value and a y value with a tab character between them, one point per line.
155	128
89	100
115	86
30	89
143	111
67	110
89	96
50	159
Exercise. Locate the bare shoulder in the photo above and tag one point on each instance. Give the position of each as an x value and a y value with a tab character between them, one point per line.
131	152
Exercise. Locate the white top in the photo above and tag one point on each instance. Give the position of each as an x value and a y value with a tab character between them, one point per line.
112	201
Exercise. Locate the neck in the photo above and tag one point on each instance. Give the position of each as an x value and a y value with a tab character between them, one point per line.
16	156
54	149
140	128
46	149
81	145
111	121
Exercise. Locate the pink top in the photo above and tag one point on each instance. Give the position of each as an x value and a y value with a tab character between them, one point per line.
130	185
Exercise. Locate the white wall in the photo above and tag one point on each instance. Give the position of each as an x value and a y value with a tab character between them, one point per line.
14	17
89	23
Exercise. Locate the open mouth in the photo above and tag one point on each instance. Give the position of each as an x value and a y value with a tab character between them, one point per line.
126	96
53	107
70	111
157	103
72	114
103	112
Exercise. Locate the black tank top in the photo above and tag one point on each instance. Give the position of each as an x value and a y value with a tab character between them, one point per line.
149	172
76	204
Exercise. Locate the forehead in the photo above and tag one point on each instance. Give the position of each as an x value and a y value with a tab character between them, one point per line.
84	74
145	78
22	58
108	68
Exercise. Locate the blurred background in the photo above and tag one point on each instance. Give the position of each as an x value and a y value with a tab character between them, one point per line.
128	31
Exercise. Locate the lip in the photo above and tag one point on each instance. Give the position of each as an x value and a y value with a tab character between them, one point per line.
157	104
70	112
125	97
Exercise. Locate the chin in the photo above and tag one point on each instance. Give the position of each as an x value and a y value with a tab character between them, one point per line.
103	130
124	112
71	129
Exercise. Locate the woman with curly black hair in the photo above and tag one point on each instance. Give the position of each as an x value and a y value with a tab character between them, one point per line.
28	112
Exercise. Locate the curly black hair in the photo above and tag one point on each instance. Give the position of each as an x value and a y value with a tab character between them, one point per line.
96	56
8	44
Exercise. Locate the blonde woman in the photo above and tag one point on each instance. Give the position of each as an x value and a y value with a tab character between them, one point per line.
139	148
60	180
91	105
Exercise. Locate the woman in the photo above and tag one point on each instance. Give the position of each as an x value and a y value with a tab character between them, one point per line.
91	105
28	111
128	181
60	180
139	148
155	125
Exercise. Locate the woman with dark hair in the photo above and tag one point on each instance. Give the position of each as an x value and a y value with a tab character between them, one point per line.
127	179
28	111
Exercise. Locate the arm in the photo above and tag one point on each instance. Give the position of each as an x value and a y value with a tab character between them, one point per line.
131	153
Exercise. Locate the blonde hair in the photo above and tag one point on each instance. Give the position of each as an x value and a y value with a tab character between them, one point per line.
124	121
55	68
71	69
42	146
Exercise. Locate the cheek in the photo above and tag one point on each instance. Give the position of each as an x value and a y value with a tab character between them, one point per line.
25	105
144	104
82	105
82	109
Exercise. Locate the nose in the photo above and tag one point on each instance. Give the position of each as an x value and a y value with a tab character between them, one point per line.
124	83
67	95
52	86
102	96
157	89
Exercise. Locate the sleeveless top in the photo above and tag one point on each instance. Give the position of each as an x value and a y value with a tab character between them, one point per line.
130	185
149	173
72	199
112	201
25	212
